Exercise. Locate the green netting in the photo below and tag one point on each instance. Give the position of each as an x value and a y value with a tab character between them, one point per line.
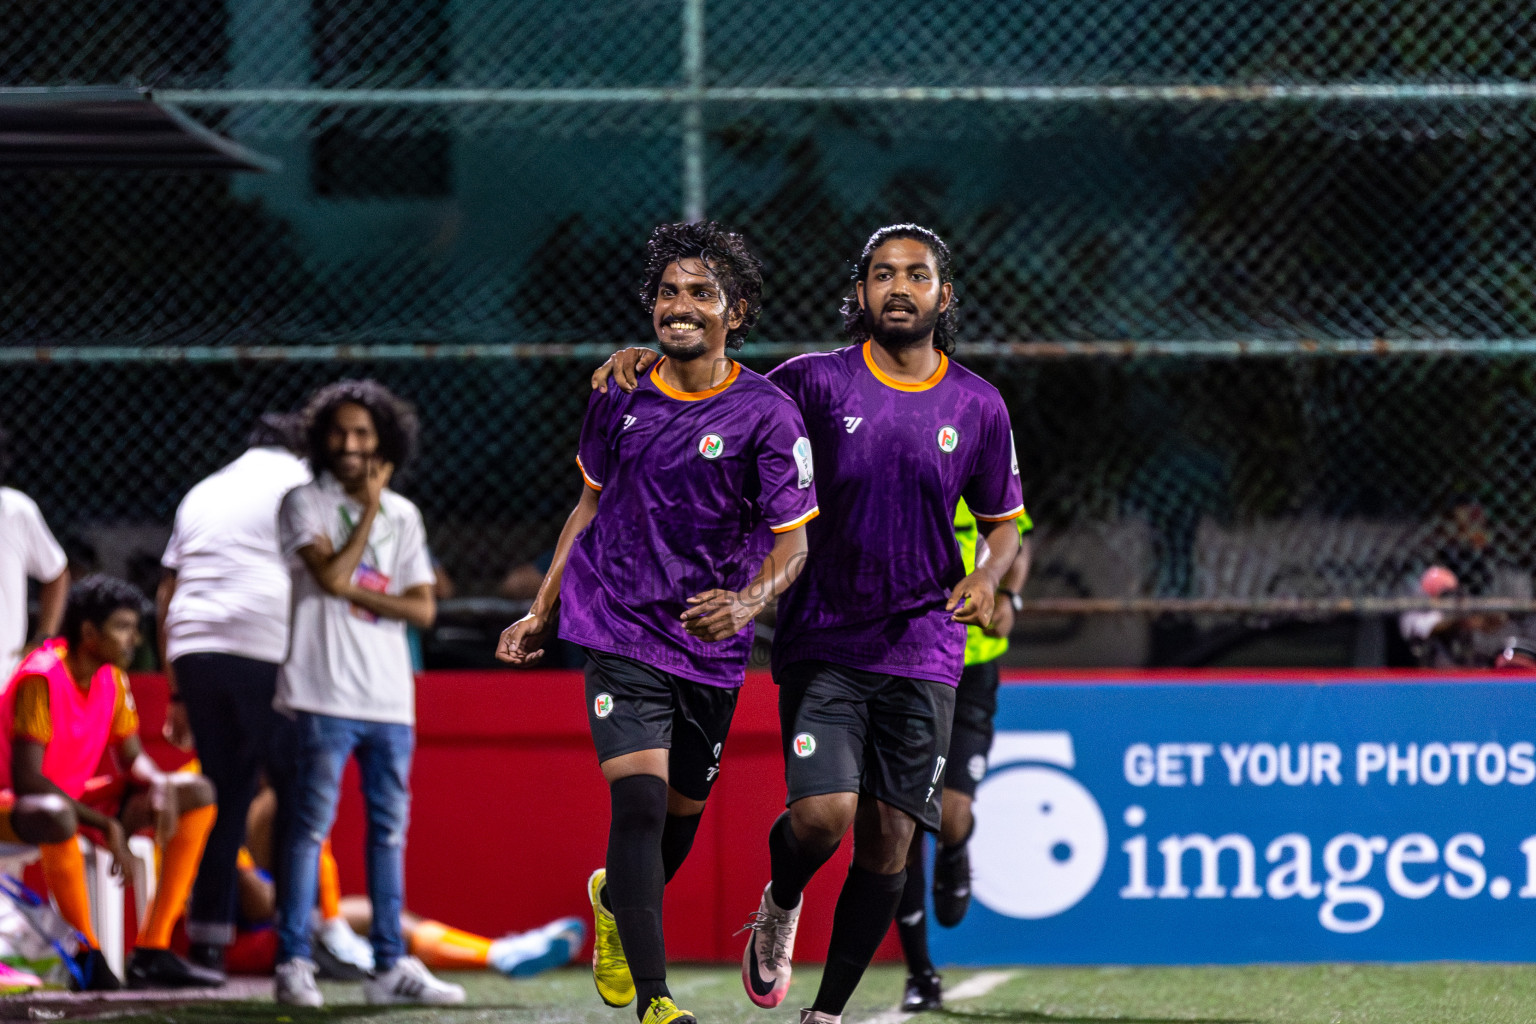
485	173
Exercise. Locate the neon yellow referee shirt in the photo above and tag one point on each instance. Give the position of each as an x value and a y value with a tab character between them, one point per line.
980	648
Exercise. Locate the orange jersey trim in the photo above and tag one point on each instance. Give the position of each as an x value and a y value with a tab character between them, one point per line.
901	385
590	482
793	523
999	519
693	396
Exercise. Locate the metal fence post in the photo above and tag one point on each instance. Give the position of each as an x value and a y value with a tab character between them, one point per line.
693	115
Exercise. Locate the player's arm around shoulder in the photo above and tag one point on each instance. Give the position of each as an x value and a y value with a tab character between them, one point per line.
624	368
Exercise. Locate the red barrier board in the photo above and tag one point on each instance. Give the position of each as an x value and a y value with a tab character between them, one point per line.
509	813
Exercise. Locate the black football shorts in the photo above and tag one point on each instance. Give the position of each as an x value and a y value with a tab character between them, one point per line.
632	706
850	731
971	738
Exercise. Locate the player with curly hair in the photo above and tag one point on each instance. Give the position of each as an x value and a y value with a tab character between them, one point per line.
698	489
870	640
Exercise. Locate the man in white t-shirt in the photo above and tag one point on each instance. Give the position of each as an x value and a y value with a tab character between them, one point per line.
222	608
27	549
360	569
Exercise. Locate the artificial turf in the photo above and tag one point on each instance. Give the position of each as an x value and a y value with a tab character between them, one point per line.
1326	994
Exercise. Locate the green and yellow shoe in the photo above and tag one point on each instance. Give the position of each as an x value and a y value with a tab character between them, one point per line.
664	1011
610	970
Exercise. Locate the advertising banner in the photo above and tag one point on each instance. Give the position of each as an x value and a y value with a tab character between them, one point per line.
1226	821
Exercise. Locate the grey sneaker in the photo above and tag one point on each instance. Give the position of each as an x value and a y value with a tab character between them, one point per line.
294	983
809	1016
340	953
409	982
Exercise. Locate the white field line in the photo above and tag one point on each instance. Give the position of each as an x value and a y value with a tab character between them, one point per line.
974	987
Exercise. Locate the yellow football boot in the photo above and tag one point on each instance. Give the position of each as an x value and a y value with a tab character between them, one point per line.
610	971
664	1011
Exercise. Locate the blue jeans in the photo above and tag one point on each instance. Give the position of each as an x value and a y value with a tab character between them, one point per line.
383	751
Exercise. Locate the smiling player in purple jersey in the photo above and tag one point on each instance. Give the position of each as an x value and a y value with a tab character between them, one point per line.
870	640
698	489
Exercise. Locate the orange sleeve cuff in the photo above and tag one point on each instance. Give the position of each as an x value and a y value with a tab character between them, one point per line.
999	518
801	521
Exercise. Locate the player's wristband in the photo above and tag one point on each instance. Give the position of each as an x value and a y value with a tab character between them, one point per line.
1014	598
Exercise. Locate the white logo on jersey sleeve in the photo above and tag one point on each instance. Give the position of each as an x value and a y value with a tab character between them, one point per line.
1013	447
802	453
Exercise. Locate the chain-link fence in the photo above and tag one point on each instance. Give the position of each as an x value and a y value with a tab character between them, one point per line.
483	174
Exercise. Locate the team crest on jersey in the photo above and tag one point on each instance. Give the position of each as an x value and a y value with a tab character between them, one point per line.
602	705
802	453
711	446
948	437
804	745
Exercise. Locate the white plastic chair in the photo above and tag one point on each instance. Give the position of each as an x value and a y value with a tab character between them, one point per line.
105	890
106	893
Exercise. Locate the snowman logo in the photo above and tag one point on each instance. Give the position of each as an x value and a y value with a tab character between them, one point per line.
1041	844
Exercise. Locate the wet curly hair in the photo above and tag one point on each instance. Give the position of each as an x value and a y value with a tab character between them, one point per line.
855	326
394	419
725	253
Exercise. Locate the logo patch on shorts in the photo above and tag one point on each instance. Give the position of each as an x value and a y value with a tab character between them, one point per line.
711	446
804	745
948	438
602	705
977	766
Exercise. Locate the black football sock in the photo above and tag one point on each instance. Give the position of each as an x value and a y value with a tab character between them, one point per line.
863	916
951	852
912	920
794	862
677	840
635	880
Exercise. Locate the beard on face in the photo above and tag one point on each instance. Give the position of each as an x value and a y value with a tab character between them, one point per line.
683	352
896	337
348	475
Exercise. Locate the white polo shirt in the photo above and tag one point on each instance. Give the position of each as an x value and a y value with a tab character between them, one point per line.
342	660
27	548
231	577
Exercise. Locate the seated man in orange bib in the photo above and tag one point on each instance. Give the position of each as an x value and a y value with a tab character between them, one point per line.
67	704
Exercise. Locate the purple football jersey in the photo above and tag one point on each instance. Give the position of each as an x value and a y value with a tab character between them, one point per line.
893	459
694	486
